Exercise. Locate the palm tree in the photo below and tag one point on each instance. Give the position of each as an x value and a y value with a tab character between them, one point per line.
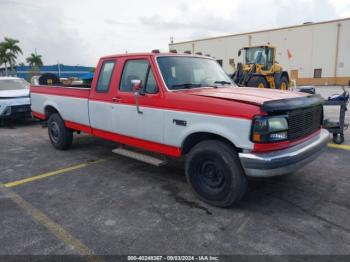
3	59
12	49
6	56
34	60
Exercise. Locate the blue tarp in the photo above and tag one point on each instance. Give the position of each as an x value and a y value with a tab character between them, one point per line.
87	76
64	71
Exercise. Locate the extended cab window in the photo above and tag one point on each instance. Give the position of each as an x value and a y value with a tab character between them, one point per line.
105	76
138	70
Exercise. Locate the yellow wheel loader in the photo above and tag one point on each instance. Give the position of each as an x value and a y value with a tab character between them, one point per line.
260	69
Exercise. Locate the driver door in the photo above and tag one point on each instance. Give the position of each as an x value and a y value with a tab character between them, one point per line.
147	124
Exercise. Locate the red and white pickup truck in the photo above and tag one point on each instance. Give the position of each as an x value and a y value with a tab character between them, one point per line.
183	105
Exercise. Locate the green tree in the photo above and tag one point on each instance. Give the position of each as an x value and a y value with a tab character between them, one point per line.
12	50
6	57
34	60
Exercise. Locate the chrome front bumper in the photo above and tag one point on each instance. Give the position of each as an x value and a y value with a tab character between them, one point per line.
284	161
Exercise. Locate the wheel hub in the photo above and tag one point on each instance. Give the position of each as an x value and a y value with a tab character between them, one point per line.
54	132
211	174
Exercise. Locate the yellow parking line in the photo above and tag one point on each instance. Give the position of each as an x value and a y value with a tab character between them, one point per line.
49	224
52	173
345	147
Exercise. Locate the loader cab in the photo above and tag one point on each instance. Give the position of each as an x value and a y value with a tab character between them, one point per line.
263	56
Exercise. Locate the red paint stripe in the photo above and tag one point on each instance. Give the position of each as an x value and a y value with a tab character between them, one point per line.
242	114
147	145
78	127
39	115
60	91
173	101
282	145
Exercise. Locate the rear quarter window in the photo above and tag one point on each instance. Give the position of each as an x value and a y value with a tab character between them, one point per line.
105	76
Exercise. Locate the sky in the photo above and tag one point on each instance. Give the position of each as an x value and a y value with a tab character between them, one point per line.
78	32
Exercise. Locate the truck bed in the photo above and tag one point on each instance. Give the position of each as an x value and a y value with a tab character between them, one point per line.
71	102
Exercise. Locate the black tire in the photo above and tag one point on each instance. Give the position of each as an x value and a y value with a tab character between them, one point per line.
215	174
61	137
338	139
283	84
258	81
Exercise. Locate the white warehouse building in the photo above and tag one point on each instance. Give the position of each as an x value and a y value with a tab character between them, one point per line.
320	52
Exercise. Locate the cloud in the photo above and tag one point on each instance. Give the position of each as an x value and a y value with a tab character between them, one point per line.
80	31
41	27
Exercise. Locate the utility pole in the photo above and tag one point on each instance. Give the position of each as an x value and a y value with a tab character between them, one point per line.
59	69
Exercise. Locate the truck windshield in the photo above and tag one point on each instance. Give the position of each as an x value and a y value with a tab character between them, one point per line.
13	84
180	72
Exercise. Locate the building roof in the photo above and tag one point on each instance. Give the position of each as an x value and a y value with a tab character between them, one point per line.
261	31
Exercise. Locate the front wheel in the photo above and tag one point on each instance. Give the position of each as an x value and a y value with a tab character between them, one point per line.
215	174
283	84
61	137
258	81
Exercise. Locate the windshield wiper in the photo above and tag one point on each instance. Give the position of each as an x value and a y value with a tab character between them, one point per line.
187	85
223	82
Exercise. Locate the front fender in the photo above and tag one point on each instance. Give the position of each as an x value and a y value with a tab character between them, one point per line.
236	130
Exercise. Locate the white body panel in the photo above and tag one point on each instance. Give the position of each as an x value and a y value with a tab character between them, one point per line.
101	116
70	108
236	130
147	126
154	124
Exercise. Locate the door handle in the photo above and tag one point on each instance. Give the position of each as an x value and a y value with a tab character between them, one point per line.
116	99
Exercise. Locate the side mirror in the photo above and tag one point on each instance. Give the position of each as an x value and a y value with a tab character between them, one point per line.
136	85
239	52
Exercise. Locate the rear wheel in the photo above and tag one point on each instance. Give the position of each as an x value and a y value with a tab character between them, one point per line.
258	81
283	84
61	137
215	174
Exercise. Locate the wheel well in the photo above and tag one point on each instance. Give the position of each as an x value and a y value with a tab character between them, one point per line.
49	110
285	73
196	138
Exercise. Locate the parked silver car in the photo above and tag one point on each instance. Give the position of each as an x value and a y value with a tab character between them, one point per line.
14	98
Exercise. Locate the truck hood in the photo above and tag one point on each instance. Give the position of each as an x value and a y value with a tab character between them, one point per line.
251	95
14	93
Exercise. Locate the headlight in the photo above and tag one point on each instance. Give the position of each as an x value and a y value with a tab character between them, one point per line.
269	129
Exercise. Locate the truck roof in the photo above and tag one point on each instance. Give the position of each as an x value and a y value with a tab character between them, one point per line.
154	54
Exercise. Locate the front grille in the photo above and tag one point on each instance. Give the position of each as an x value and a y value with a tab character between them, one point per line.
20	109
304	122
